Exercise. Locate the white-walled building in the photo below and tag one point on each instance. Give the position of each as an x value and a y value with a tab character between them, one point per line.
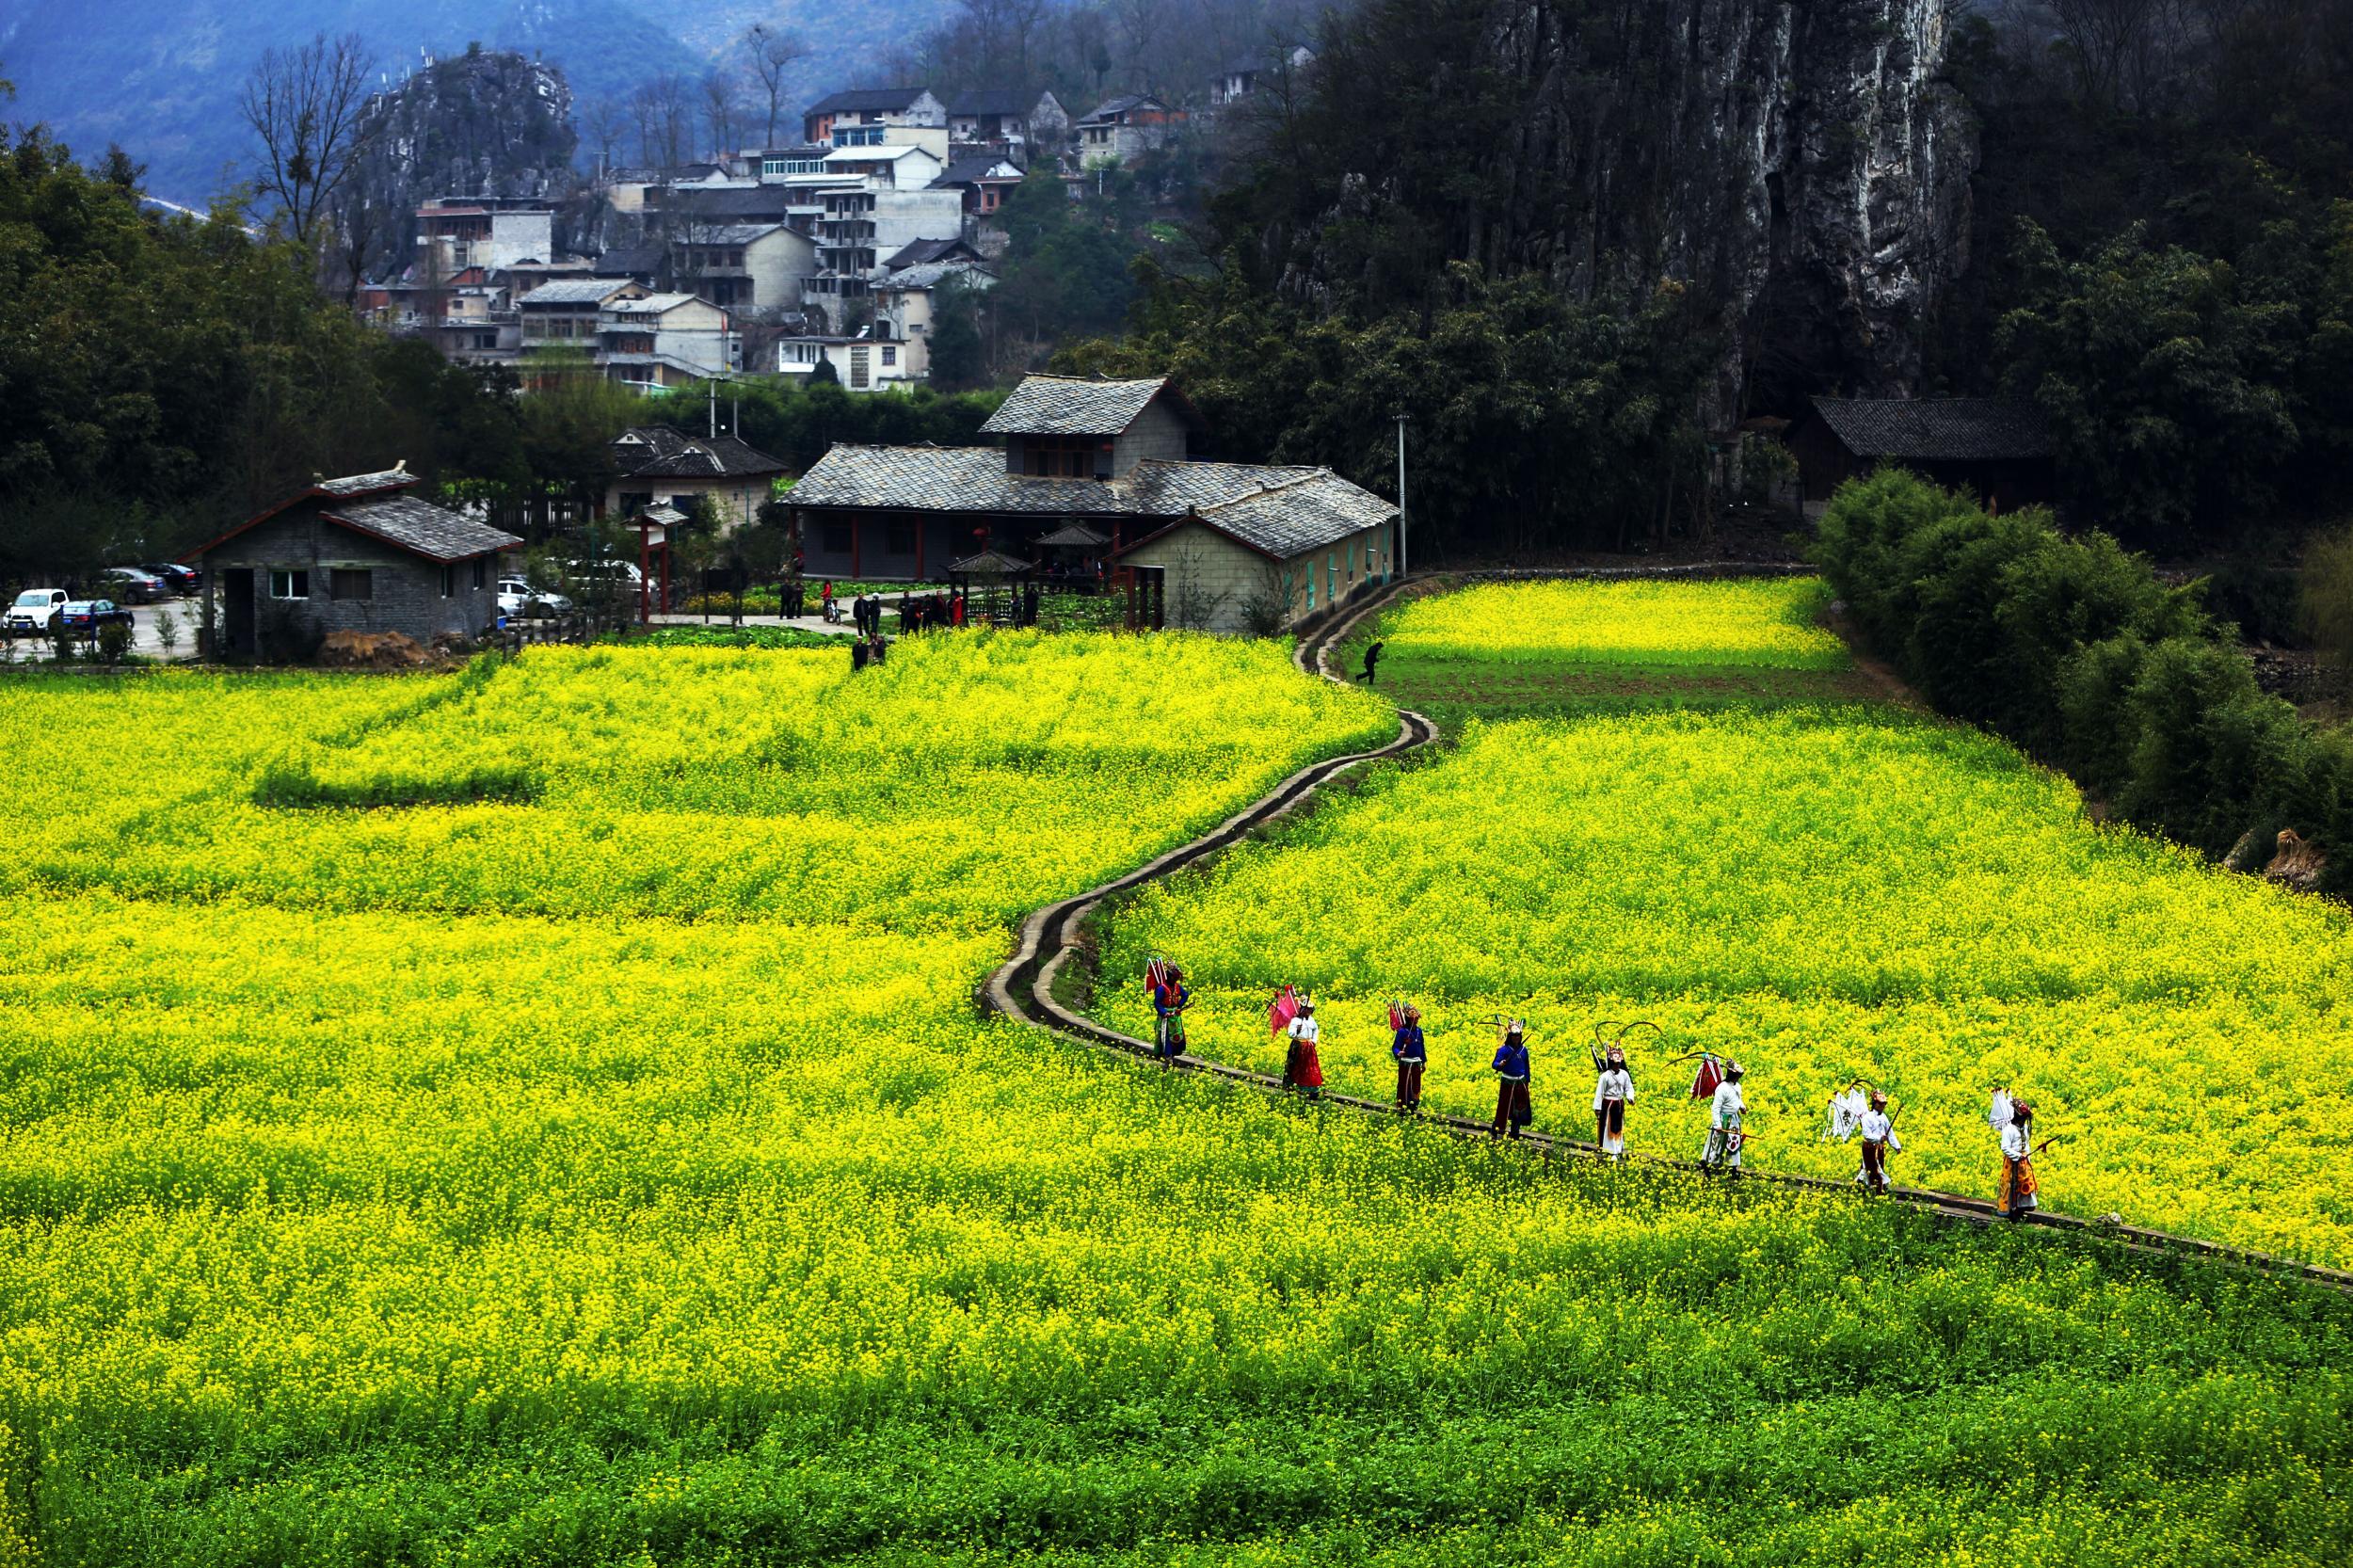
666	340
860	118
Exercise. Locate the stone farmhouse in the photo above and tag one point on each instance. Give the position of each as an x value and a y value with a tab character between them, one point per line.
1243	544
353	554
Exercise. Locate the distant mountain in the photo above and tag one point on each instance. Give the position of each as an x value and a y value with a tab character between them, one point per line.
162	76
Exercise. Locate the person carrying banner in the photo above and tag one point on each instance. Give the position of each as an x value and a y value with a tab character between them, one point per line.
1724	1136
1879	1140
1406	1045
1613	1085
2019	1194
1302	1068
1513	1107
1170	998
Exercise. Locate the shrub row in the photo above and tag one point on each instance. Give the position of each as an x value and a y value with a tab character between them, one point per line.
2074	649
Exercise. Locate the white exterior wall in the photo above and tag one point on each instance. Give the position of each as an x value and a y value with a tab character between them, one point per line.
904	216
779	263
519	237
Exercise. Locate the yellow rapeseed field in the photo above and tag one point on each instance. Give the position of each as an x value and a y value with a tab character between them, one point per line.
539	1116
1825	894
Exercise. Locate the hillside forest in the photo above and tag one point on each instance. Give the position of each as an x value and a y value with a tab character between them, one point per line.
2160	232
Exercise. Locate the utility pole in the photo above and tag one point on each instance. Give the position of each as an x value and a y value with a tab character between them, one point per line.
1401	494
713	385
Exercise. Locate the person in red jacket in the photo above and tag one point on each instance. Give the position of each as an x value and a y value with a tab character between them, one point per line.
1302	1068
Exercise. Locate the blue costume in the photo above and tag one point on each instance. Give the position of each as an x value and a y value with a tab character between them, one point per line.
1412	1056
1513	1109
1169	1001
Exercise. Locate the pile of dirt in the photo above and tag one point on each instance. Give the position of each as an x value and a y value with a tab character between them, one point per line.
373	651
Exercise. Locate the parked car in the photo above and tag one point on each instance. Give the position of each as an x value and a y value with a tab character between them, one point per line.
135	584
183	577
522	600
34	610
626	582
88	615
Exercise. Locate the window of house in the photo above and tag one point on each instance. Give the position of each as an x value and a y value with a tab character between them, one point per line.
900	539
449	582
890	356
480	575
861	374
289	584
1059	456
836	538
350	583
735	258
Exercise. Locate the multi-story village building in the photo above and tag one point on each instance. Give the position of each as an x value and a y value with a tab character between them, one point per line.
566	312
665	340
860	118
1127	127
1009	121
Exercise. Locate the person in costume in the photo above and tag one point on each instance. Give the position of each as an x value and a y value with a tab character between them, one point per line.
1412	1056
1170	998
1514	1108
2018	1195
1613	1086
1724	1136
1302	1068
1879	1140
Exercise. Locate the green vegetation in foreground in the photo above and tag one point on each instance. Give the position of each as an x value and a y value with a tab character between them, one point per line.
393	1189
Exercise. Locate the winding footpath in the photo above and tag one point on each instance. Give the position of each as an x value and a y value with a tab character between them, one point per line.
1022	989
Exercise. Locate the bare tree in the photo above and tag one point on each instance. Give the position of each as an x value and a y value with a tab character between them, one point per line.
304	105
723	112
772	52
604	122
664	115
2104	38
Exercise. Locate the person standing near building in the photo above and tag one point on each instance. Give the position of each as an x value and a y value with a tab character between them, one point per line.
1879	1140
1613	1086
1724	1136
1170	998
1514	1109
1303	1068
1413	1055
825	602
2019	1194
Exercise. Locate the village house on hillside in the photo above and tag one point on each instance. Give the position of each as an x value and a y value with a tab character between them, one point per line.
1105	461
1127	127
2000	448
659	466
352	554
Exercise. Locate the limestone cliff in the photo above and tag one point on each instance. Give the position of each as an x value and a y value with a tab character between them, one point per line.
488	122
1800	161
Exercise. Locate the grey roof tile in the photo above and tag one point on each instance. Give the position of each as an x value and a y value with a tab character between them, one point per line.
1938	429
1283	510
1072	405
573	291
421	527
368	483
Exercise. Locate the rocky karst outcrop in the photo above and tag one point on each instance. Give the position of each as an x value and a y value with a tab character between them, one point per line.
487	122
1802	161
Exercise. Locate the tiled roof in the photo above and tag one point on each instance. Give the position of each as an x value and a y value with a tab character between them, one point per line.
368	483
658	451
1289	519
1112	108
967	171
943	479
652	305
729	234
421	528
1938	429
573	291
916	252
929	275
1281	510
630	261
867	101
750	204
1071	406
996	100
